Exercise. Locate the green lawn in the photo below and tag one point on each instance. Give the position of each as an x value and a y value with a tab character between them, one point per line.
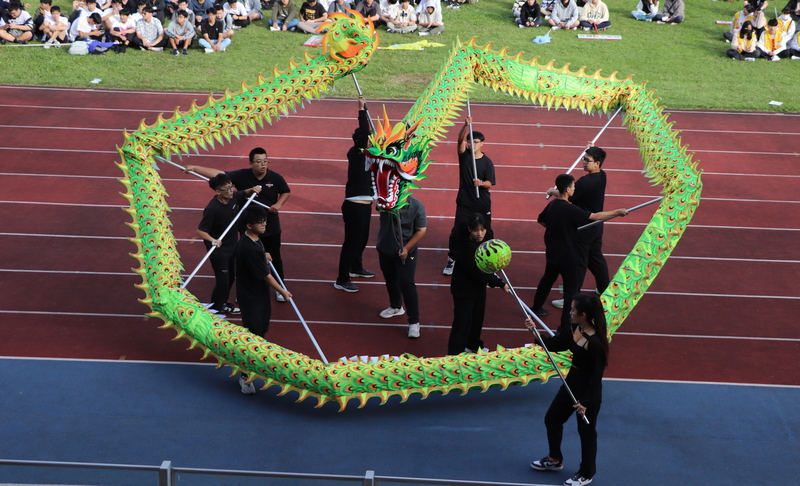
685	63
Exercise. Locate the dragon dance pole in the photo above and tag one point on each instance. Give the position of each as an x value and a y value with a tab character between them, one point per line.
629	210
183	169
297	311
361	95
541	343
472	149
213	247
575	164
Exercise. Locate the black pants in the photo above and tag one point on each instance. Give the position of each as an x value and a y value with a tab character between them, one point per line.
463	213
356	218
468	314
400	282
242	22
557	415
272	245
136	41
740	56
590	247
224	266
256	315
570	276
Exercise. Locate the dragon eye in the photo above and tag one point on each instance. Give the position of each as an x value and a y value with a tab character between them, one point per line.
392	151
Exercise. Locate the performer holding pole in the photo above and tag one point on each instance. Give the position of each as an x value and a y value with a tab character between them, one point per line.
582	392
476	177
254	281
363	103
224	188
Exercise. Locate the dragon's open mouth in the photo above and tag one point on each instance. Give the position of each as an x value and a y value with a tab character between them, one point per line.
386	180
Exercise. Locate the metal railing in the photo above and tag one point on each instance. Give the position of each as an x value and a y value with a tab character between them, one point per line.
166	474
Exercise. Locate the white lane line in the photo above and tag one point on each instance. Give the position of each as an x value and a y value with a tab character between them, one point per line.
434	285
425	326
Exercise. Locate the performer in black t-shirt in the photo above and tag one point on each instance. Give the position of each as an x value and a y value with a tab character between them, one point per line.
561	220
590	191
218	214
356	208
274	193
467	200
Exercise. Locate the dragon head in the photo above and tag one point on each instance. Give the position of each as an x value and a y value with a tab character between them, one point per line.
396	159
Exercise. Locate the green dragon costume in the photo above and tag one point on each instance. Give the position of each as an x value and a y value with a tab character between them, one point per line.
398	159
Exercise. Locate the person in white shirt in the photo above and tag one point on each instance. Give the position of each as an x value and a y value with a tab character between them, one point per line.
430	21
55	29
404	20
771	43
122	30
238	13
17	26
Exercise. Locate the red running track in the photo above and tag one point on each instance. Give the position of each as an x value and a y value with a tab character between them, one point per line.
719	310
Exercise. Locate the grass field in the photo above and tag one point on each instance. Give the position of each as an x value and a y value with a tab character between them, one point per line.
685	64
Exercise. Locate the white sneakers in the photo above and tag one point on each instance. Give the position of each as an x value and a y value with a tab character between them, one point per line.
247	388
391	312
413	330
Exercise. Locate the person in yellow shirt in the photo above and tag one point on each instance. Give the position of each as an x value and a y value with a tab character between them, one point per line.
771	43
743	45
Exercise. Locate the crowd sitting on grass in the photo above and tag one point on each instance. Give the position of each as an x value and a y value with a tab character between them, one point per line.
752	36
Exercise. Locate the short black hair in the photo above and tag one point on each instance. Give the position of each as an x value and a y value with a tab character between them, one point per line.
476	219
149	9
598	154
256	151
254	215
96	18
124	11
211	11
182	12
46	2
477	136
218	180
55	8
772	23
14	6
563	181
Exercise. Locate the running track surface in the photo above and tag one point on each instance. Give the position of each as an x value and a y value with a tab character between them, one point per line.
718	312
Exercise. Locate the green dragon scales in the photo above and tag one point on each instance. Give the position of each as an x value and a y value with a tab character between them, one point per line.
398	159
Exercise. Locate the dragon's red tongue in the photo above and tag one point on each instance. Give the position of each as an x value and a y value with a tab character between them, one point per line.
382	179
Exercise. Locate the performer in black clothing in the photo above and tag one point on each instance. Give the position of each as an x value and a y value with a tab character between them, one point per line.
590	191
468	287
274	193
467	200
356	208
587	339
254	280
218	214
561	220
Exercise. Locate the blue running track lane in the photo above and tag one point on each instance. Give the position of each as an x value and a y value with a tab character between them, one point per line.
650	433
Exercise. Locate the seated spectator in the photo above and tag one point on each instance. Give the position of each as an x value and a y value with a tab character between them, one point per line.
180	33
739	18
430	21
90	28
564	15
56	28
159	10
672	13
137	15
312	15
386	10
771	44
595	16
547	8
190	17
744	44
149	32
794	46
404	20
786	24
646	10
284	16
211	33
198	8
122	30
42	14
81	9
794	9
369	10
238	13
253	8
112	12
338	6
17	25
530	14
225	21
423	4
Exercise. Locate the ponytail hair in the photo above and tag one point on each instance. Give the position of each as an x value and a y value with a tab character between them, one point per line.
593	308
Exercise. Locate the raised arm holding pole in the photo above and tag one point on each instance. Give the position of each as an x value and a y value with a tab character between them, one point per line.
472	149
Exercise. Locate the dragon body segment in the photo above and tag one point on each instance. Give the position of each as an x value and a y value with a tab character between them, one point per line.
398	158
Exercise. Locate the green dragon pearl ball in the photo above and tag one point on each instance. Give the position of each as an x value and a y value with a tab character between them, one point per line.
493	256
